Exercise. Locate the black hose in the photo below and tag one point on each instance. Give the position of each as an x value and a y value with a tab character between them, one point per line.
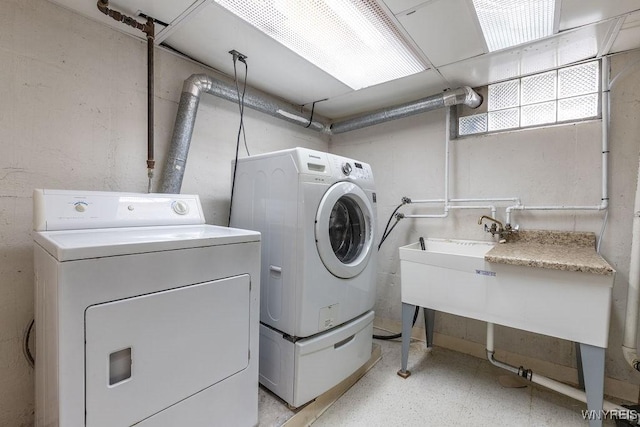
385	234
384	237
25	344
398	335
389	222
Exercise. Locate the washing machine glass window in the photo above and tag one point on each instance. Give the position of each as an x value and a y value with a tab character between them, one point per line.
344	231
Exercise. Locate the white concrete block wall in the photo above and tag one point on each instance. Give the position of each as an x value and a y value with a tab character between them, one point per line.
553	165
73	116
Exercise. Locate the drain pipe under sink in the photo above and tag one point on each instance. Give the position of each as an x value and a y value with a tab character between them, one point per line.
542	380
630	339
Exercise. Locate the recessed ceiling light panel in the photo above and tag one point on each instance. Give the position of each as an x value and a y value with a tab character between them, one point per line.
508	23
353	40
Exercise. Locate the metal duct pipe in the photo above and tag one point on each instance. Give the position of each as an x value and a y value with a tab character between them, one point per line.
192	90
198	84
462	95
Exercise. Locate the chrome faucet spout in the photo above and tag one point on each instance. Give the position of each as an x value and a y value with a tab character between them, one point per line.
490	219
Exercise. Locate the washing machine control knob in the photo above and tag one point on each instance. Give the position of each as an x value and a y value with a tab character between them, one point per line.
180	207
346	168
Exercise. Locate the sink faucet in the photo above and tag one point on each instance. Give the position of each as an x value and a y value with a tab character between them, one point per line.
496	228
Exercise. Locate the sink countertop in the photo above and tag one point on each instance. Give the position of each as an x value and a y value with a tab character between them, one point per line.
556	250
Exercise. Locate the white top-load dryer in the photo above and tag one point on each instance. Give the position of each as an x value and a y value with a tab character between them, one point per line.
316	212
144	314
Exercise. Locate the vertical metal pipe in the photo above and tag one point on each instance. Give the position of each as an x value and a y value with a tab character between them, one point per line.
150	100
604	90
447	138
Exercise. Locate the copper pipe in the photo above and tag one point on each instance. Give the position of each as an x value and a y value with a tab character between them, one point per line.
150	99
149	29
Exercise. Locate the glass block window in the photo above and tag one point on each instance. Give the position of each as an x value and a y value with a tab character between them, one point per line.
504	95
538	88
503	119
567	94
473	124
578	80
538	114
577	107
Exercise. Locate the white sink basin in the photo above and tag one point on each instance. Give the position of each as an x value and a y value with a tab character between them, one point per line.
471	248
461	255
452	276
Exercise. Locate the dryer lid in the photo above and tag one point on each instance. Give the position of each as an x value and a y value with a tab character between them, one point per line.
344	230
68	245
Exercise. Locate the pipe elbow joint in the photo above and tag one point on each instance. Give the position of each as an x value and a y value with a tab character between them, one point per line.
462	95
631	356
604	204
103	6
196	84
470	97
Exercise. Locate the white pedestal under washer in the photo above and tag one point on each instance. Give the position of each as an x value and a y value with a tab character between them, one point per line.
316	212
144	314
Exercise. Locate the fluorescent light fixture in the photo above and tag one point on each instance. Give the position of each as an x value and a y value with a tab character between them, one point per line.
352	40
508	23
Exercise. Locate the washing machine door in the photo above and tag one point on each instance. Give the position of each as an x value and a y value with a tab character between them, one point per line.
344	230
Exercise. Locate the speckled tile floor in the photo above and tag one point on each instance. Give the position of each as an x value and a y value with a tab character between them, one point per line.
445	388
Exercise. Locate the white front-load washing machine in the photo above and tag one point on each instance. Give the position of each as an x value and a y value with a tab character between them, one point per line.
144	314
317	215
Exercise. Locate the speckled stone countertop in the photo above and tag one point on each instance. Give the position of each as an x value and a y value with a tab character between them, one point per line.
557	250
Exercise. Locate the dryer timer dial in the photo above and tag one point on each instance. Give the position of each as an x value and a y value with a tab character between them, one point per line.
180	207
346	168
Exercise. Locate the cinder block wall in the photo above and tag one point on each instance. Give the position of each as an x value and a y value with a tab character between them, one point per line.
545	166
73	116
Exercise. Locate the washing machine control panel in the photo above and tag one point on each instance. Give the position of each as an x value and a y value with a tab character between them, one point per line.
75	210
352	169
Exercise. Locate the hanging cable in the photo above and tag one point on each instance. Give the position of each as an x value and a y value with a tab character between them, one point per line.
241	99
237	56
313	107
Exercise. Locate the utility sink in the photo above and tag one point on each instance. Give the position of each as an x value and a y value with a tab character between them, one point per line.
457	277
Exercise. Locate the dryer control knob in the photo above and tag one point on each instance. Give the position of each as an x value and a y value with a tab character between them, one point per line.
180	207
346	168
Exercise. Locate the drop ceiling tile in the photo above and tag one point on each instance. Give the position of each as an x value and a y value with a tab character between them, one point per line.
629	35
446	30
165	11
213	31
576	13
561	49
396	92
397	6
